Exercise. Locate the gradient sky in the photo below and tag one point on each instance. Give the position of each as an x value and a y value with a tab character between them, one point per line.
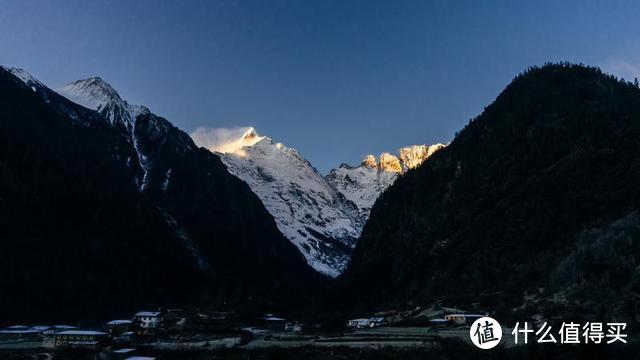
334	79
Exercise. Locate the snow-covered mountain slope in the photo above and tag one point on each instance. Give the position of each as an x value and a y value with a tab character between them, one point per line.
322	216
25	77
96	94
307	209
363	184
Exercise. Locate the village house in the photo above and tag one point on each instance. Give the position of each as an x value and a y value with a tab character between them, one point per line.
123	353
377	321
128	354
117	327
275	323
358	323
366	322
211	315
293	327
20	333
148	322
75	338
463	319
439	323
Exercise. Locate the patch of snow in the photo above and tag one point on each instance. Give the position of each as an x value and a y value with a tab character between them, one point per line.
144	162
25	77
96	94
361	185
165	183
189	244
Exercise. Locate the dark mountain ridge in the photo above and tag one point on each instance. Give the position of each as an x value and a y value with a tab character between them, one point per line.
498	218
81	240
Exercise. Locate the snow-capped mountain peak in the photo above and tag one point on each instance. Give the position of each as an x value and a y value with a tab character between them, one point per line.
363	184
412	156
96	94
25	77
249	138
322	216
307	209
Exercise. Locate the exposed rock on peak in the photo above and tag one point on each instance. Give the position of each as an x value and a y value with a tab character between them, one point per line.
370	161
390	163
413	156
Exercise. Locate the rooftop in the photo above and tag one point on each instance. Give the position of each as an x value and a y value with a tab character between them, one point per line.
20	331
148	313
273	318
82	332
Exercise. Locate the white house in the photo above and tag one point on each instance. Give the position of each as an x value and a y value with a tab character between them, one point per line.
358	323
115	327
366	322
76	338
462	319
148	321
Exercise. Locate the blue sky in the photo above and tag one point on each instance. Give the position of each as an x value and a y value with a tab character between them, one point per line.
334	79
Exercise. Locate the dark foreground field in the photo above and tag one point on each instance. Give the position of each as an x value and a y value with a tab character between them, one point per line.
446	349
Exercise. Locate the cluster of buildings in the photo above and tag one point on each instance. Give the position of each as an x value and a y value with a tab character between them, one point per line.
448	320
142	323
143	326
274	323
460	319
52	336
371	322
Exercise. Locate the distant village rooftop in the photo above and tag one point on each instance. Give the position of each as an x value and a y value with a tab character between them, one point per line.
148	313
82	332
274	318
124	351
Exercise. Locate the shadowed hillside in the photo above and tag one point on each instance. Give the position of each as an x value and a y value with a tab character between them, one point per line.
535	197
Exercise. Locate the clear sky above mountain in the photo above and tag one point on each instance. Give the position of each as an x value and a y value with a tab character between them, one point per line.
334	79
